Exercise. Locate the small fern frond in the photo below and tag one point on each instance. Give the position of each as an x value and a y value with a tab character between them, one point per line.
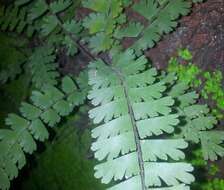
102	24
51	24
107	24
162	18
46	108
12	56
132	117
198	123
43	66
14	19
38	9
60	5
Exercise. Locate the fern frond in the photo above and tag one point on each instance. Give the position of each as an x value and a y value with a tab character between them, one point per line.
198	123
12	56
132	30
46	108
52	26
38	9
60	5
14	19
43	66
128	144
107	23
162	19
102	24
21	2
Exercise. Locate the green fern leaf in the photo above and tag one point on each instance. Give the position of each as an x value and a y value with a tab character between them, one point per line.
95	23
162	17
38	9
59	5
68	85
146	8
102	6
100	42
63	107
198	1
198	124
38	130
4	181
102	24
131	114
29	111
21	2
211	144
96	5
14	18
50	117
132	30
70	45
43	66
20	126
49	24
72	26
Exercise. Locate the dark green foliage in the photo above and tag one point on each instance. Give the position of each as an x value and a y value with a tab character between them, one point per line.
43	67
51	25
216	184
14	18
12	95
46	108
146	119
12	56
65	163
198	122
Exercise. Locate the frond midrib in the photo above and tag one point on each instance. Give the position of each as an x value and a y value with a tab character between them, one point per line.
134	125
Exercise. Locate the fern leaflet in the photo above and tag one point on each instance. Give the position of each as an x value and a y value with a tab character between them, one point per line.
162	18
14	18
198	123
43	66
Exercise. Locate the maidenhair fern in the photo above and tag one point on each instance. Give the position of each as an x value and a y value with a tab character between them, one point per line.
12	57
198	123
52	26
102	23
146	120
161	19
136	112
46	108
43	66
14	18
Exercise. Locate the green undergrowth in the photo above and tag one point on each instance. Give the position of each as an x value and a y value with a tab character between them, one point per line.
14	88
67	162
208	83
12	94
12	56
